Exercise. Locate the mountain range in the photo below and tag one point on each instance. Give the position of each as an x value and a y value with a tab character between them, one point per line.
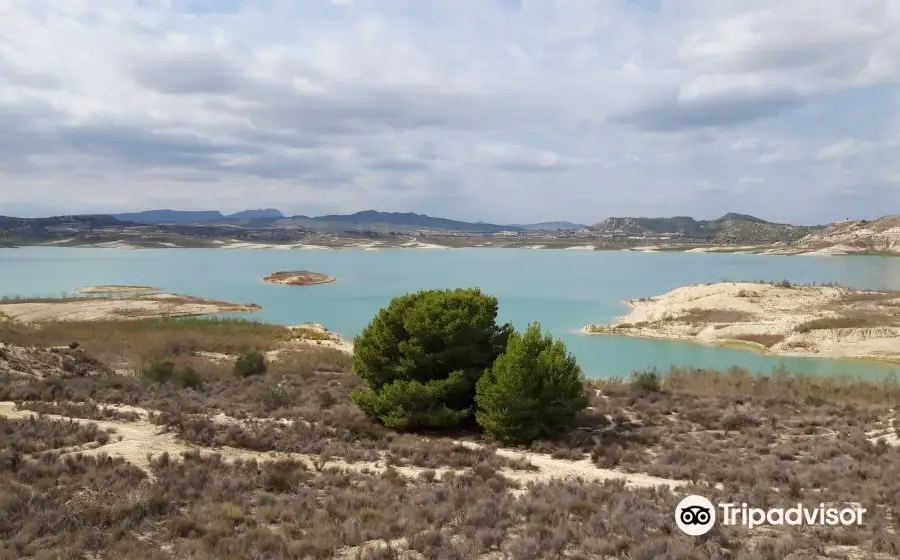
366	217
195	216
730	228
199	228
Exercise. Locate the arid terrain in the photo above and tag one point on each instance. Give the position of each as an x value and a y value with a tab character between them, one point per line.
780	318
101	456
371	231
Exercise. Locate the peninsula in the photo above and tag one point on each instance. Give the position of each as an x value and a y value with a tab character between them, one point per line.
140	302
779	318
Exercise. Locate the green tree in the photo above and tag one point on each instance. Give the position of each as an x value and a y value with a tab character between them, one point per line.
532	389
422	355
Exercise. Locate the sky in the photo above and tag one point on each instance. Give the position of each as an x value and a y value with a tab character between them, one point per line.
507	111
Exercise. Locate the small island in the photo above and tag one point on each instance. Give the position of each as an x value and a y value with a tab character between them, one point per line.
778	318
298	278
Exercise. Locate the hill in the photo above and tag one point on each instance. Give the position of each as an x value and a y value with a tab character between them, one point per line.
267	213
171	216
197	216
365	219
74	222
409	220
730	228
550	226
855	236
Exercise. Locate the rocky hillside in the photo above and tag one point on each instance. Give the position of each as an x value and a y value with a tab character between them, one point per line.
729	229
855	236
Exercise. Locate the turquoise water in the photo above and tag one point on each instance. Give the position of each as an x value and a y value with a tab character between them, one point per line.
564	290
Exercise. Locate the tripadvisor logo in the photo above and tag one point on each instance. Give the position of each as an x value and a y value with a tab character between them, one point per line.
696	515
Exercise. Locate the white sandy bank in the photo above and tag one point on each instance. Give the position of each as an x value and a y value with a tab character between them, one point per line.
776	319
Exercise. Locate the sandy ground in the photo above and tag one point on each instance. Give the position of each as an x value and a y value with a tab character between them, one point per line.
420	245
134	441
233	244
138	307
335	340
772	310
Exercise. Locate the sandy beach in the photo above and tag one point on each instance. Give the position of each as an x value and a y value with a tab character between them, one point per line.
821	321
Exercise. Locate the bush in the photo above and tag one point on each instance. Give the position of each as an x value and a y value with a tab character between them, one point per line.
189	378
326	400
422	355
532	389
646	381
160	372
251	363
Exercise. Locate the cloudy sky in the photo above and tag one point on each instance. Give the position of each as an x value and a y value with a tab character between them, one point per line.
497	110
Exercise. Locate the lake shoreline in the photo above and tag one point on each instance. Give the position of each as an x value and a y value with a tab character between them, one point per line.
776	250
561	302
774	319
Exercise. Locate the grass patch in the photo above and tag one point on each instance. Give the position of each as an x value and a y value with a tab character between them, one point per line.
873	297
309	333
852	321
142	342
697	317
767	340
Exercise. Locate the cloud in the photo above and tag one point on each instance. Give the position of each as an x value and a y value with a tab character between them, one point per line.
749	180
494	110
843	149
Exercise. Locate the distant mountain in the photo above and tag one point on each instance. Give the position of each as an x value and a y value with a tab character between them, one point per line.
267	213
171	216
550	226
730	228
74	222
197	216
678	224
409	220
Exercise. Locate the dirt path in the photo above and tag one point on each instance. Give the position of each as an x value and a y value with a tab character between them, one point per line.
136	441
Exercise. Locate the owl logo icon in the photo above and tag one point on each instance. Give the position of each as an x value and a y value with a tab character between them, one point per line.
695	515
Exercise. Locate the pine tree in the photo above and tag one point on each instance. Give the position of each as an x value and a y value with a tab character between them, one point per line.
533	388
422	355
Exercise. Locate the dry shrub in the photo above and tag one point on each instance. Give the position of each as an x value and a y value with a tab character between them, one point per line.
87	410
36	435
